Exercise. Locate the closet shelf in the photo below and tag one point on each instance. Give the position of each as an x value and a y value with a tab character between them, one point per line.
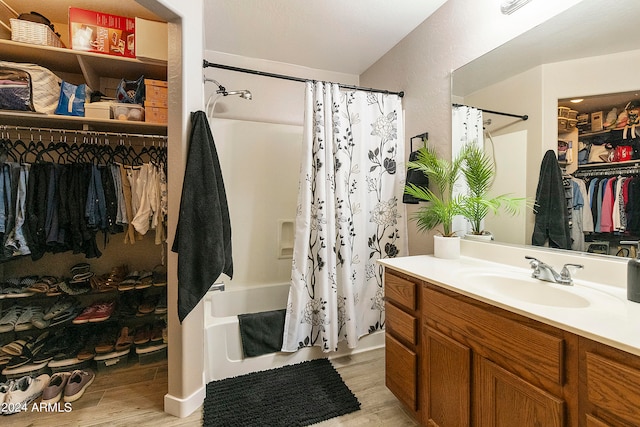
87	63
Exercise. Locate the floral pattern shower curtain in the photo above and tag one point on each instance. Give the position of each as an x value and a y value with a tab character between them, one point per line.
467	128
349	215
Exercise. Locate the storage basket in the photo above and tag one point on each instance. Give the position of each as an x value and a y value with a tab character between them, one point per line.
33	33
563	111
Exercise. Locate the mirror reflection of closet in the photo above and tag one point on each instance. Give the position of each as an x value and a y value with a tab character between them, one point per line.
585	121
599	144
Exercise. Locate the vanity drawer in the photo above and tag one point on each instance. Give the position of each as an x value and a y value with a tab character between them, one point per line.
400	323
399	290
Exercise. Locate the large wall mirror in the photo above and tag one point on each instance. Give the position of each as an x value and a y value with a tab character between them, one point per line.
590	51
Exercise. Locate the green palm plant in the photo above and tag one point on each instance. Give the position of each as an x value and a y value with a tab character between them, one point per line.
443	206
478	171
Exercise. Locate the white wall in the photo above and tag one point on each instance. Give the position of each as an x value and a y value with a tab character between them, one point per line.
421	64
260	165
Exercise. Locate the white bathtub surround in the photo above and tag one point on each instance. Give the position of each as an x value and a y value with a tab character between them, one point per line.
595	307
349	214
223	347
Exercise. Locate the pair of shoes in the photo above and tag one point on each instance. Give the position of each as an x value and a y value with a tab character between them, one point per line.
129	282
107	340
27	352
68	386
96	312
43	285
161	308
148	305
22	392
125	340
24	321
142	335
19	287
57	308
10	318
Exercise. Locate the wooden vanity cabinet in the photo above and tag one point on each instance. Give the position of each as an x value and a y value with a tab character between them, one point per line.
402	338
456	361
485	366
609	386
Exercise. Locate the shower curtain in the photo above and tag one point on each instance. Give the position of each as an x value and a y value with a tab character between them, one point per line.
348	216
467	128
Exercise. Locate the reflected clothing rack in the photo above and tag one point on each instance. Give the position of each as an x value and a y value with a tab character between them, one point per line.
519	116
606	169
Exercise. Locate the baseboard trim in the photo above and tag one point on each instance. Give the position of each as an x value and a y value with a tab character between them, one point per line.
182	408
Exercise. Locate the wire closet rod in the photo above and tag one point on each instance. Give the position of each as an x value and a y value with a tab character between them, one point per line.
522	117
8	128
206	64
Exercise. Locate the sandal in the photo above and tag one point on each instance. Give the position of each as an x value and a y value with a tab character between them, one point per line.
43	285
107	341
148	305
129	282
143	335
124	340
145	280
159	276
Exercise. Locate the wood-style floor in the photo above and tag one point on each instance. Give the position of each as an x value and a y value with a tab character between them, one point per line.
134	396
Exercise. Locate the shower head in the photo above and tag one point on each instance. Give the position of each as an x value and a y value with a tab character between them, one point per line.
245	94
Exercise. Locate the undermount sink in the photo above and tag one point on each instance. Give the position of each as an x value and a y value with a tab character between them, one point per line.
528	289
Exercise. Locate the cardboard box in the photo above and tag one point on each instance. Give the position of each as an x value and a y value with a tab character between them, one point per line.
156	91
152	41
155	112
596	121
98	110
102	32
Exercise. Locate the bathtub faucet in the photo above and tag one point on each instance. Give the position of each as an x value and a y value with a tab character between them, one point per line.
217	287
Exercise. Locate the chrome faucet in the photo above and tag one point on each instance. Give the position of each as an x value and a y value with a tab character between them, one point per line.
545	272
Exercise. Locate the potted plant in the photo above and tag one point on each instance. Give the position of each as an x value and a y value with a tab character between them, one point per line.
478	171
442	205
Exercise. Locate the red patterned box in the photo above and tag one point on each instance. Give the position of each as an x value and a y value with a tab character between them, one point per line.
101	32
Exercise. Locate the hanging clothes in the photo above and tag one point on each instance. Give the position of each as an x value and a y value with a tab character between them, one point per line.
57	207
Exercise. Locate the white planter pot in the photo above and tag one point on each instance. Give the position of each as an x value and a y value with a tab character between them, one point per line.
481	237
446	247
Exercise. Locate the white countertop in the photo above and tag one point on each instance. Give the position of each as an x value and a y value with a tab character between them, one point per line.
608	317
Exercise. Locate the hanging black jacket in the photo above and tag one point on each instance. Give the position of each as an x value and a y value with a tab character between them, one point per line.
203	233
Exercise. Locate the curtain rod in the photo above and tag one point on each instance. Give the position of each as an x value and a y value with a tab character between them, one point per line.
206	64
522	117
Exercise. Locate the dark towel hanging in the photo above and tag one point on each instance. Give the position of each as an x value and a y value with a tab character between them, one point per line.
416	177
203	233
552	217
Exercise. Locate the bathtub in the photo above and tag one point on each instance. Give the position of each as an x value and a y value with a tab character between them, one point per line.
223	348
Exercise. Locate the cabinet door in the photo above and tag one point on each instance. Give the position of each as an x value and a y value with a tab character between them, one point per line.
503	399
446	382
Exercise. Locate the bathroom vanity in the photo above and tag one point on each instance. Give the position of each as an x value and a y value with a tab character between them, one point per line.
472	342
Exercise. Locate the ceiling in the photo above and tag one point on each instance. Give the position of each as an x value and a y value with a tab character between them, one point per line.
333	35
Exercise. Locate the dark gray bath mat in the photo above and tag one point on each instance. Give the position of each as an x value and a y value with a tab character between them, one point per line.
295	395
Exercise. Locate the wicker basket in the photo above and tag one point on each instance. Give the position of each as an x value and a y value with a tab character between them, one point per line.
33	33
